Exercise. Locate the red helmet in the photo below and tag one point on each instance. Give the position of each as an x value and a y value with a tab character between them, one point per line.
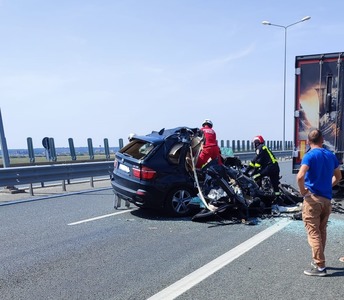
258	139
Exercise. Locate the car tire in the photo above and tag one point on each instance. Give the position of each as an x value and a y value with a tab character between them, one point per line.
178	200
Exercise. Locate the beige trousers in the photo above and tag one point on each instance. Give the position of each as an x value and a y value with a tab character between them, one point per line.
315	214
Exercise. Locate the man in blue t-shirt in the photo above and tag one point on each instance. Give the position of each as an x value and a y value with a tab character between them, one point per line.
318	173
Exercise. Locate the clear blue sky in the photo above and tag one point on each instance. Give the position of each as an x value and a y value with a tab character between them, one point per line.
104	68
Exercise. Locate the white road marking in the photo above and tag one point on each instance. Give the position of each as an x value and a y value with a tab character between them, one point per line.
100	217
186	283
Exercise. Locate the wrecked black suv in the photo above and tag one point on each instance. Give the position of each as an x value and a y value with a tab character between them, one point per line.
155	170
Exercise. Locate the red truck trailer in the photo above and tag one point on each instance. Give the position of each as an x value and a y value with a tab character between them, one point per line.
319	103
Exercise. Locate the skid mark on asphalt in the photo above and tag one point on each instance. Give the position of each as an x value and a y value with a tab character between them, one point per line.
100	217
186	283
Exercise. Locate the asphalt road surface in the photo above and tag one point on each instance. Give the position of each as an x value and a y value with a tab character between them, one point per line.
78	247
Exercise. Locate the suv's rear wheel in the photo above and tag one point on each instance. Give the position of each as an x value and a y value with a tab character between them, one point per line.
178	200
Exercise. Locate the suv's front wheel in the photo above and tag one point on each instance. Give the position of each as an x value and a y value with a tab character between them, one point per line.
178	200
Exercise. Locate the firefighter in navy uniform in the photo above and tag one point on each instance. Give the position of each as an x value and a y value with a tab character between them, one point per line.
265	163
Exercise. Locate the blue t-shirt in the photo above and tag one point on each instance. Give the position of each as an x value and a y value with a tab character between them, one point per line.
321	163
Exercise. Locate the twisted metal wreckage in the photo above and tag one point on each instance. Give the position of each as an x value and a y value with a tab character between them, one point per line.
226	193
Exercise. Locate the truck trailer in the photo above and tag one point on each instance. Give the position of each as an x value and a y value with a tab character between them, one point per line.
319	103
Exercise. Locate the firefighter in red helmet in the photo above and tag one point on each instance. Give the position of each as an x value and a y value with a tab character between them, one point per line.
265	163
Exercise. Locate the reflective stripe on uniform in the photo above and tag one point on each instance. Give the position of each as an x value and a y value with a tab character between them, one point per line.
254	165
273	159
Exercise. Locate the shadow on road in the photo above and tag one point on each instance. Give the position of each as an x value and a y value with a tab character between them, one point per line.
151	214
338	272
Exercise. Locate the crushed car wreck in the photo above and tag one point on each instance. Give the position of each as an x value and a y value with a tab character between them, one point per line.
158	171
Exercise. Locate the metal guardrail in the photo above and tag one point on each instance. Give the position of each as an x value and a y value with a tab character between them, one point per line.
245	156
23	175
12	176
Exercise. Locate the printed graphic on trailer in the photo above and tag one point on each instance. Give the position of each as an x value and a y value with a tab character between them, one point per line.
318	85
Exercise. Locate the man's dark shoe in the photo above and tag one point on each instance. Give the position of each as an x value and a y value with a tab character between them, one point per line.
315	272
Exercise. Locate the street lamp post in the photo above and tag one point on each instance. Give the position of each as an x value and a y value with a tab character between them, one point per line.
285	66
3	145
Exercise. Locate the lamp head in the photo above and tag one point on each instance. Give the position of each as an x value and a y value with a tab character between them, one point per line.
305	18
